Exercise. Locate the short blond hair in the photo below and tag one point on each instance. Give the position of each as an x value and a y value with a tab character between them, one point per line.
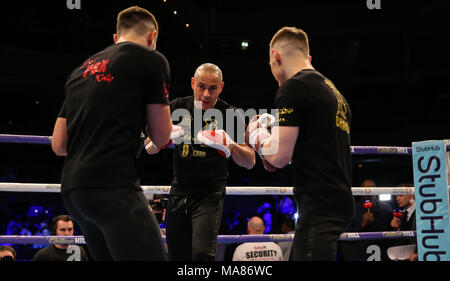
292	35
137	19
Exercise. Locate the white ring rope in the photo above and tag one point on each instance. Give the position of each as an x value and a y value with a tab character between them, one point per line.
230	190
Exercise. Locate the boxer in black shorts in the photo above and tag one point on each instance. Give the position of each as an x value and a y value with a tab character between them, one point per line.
313	136
200	164
109	100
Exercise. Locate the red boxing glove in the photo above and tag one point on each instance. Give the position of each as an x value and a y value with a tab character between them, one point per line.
217	139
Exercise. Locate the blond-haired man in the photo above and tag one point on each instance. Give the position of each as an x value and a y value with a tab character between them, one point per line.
313	136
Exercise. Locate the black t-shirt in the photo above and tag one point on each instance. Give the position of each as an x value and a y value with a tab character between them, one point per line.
321	163
51	253
105	107
196	167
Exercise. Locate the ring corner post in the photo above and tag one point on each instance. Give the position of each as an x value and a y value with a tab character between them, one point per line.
431	175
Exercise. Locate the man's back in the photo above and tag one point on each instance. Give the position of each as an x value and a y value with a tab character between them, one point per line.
105	110
264	251
321	161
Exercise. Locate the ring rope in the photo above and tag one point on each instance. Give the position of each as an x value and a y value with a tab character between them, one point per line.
25	139
221	239
230	190
399	150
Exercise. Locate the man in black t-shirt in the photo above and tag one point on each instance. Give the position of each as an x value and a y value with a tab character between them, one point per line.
200	162
62	225
109	100
313	135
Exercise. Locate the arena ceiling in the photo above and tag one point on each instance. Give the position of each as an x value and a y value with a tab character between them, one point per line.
390	63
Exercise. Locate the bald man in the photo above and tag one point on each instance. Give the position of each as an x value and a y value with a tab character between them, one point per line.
313	136
255	226
200	166
257	251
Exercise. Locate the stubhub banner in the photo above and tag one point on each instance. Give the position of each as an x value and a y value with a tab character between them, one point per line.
430	166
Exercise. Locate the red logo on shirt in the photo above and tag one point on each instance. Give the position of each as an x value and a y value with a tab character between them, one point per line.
98	70
166	90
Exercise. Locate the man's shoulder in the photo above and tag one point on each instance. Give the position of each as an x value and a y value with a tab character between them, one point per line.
141	52
129	46
305	79
307	74
183	99
49	248
43	253
223	105
181	102
241	249
301	84
274	245
243	245
249	245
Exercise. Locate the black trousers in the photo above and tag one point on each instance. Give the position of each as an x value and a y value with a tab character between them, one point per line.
116	223
316	237
192	226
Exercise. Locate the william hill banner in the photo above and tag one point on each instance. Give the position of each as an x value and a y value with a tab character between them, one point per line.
430	165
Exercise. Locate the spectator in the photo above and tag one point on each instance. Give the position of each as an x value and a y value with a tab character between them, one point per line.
7	253
371	215
42	229
264	211
62	226
15	226
374	218
257	251
406	221
285	205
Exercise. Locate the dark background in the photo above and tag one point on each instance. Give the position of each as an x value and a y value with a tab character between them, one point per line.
392	65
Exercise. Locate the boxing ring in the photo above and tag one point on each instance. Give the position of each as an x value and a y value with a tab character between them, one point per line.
230	190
